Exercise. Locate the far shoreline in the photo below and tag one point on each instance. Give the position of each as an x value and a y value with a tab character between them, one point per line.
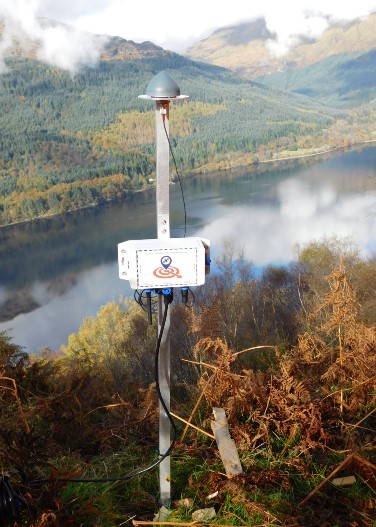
321	152
254	167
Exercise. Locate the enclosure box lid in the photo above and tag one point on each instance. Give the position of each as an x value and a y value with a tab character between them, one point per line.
157	264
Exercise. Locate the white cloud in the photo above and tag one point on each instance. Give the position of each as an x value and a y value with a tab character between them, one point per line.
69	9
58	45
309	18
173	28
304	213
60	315
177	26
298	202
68	49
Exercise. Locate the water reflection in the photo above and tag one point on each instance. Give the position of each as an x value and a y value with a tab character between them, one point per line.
57	316
55	272
270	231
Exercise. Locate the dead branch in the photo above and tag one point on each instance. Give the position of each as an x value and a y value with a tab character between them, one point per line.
254	348
325	481
192	426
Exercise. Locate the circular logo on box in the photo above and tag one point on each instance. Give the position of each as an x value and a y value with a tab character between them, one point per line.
167	270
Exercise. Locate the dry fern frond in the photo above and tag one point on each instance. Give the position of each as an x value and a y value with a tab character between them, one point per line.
7	384
341	299
207	321
311	395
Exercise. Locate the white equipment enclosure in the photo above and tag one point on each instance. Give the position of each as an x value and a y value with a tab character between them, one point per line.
159	264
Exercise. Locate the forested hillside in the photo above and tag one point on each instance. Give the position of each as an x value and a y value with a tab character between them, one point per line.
244	48
337	68
68	142
73	141
343	80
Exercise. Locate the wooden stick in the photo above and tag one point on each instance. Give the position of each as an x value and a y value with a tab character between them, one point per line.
364	418
255	348
365	462
188	423
199	363
194	524
182	524
192	426
341	465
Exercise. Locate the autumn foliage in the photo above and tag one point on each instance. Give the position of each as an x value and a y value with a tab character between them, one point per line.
295	407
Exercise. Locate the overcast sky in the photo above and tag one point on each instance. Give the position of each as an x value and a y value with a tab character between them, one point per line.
177	25
174	26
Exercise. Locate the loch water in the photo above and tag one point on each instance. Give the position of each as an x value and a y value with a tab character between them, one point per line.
56	271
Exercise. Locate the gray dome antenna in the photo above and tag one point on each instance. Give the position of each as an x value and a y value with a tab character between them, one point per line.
163	87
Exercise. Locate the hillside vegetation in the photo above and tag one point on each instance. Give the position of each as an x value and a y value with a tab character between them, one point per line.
338	68
243	48
69	142
352	79
290	355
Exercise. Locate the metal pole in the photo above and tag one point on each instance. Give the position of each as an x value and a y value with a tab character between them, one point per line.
163	231
162	88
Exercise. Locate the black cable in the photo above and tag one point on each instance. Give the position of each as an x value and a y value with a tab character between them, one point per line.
139	299
185	297
142	300
138	472
178	176
10	503
157	386
193	301
149	307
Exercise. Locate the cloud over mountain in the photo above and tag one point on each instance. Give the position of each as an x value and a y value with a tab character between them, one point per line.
53	43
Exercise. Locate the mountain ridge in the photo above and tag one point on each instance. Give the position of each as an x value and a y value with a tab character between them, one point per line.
71	141
74	141
111	47
251	58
